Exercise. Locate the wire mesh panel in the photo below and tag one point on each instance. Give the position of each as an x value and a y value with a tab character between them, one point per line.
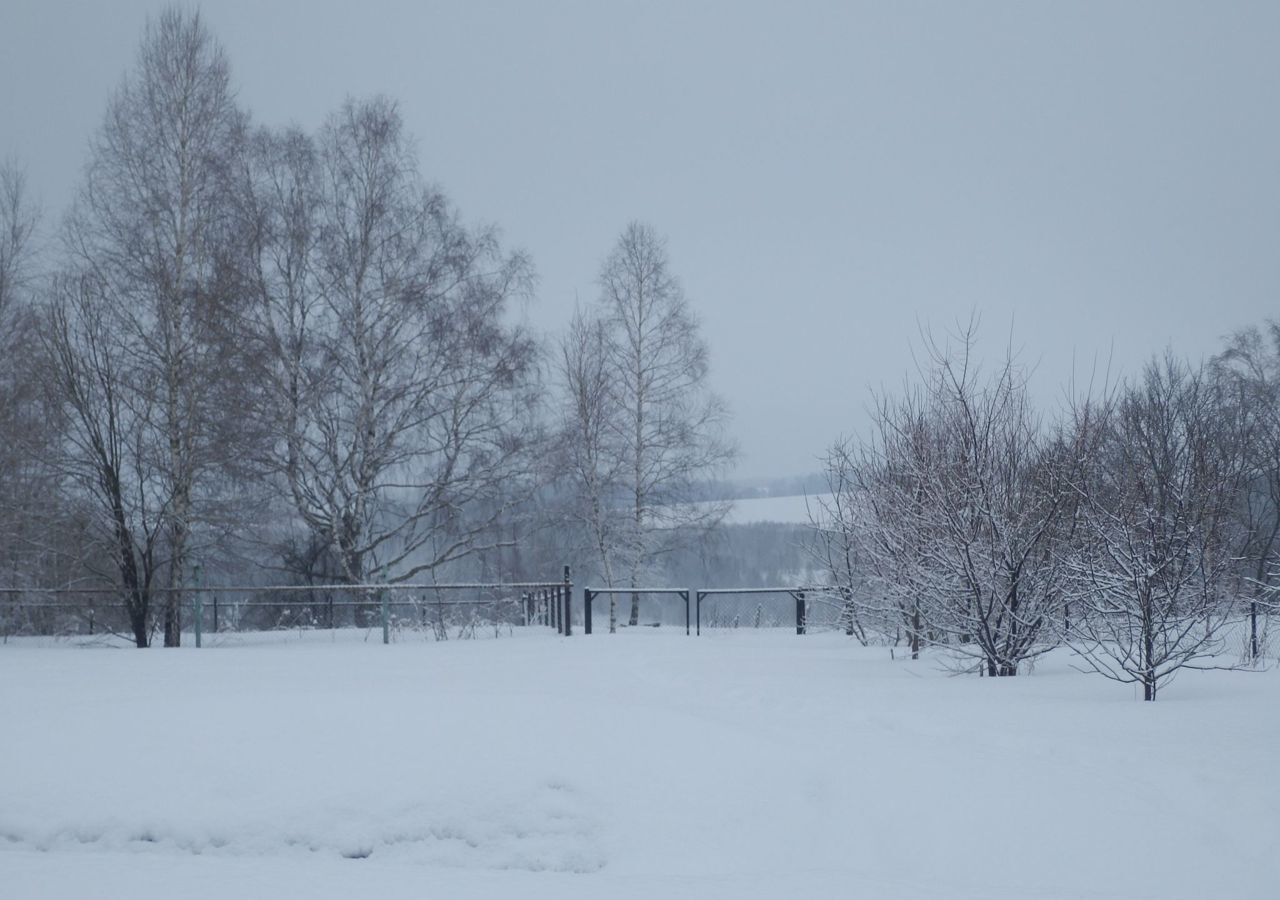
438	611
653	607
803	608
35	613
752	611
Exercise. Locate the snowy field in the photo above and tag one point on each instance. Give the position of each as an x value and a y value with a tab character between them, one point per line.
790	510
643	765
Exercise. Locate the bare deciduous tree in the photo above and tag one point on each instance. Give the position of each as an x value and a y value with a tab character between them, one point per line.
962	497
665	428
836	523
1248	374
19	218
27	484
150	231
109	453
1147	578
401	398
590	442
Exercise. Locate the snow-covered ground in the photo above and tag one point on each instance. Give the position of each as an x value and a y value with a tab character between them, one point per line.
646	764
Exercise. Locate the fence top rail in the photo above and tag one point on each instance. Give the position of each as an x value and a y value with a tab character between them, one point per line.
758	590
296	588
337	604
638	590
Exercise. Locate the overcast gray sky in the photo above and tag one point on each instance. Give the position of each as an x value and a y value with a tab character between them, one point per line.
829	175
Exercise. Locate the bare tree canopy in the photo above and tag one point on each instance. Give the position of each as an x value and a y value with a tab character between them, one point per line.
30	524
1248	376
150	237
956	505
19	217
646	426
399	396
1149	574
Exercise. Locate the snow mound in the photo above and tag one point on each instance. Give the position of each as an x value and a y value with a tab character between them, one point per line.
548	829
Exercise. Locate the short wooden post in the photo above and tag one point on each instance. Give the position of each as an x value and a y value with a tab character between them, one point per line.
800	623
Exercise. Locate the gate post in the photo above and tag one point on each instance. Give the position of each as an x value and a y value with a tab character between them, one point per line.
700	595
586	610
799	612
685	594
199	602
568	604
386	610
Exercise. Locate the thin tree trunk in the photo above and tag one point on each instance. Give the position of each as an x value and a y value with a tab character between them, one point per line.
1253	630
173	598
137	610
915	632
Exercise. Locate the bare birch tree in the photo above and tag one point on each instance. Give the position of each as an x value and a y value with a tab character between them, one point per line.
401	397
590	442
669	426
149	230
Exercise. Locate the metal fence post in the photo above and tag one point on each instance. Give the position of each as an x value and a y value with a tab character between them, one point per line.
215	612
199	602
568	604
586	610
799	612
386	611
685	595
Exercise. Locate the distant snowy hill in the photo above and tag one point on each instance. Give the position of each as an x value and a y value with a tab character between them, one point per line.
789	510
